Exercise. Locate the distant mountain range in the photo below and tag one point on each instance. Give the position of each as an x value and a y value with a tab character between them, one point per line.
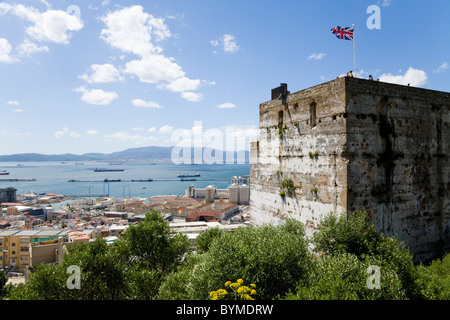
143	153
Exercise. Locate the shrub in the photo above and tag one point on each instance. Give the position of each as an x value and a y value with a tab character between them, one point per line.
355	235
345	277
434	280
274	258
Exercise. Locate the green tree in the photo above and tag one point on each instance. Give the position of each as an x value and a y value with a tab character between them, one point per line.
151	251
46	283
102	274
355	235
272	257
344	277
130	268
434	280
3	281
176	285
204	240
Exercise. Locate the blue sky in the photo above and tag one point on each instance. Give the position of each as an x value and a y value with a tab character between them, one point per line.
102	76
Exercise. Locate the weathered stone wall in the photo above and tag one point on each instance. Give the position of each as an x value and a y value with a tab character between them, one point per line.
292	147
352	144
397	139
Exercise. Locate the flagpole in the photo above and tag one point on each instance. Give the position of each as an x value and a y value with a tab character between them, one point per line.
354	49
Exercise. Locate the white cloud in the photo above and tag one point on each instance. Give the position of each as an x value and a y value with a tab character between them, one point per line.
13	103
134	31
125	136
414	77
154	69
97	96
146	104
227	42
54	26
226	105
182	84
192	96
74	134
152	129
91	132
441	68
60	133
49	26
14	134
102	73
166	129
5	51
385	3
317	56
17	110
27	48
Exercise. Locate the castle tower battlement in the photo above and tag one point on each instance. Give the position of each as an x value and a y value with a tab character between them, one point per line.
352	144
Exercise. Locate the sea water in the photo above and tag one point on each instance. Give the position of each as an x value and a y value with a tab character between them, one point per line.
53	177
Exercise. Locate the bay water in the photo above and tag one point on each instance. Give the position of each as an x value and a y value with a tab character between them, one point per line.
53	177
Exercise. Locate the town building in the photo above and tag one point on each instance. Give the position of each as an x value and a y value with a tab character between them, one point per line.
7	195
26	248
237	194
352	144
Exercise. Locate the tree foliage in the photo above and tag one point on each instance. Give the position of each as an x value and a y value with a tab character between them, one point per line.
152	262
434	280
131	268
354	241
272	257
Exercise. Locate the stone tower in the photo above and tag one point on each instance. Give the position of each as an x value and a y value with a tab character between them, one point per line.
352	144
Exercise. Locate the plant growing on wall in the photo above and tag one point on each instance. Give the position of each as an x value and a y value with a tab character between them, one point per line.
288	186
313	155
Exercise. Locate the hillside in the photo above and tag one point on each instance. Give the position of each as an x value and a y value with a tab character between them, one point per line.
142	153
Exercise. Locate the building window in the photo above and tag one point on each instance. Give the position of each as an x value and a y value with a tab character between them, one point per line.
24	240
24	249
23	257
312	114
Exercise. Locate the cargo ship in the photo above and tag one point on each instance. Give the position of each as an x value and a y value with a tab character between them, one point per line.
107	170
4	173
114	180
188	175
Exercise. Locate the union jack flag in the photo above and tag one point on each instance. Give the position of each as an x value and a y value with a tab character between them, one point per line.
345	33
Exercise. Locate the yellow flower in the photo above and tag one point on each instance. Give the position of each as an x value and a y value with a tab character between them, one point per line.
222	292
253	285
212	293
247	297
240	281
227	283
253	292
235	285
215	297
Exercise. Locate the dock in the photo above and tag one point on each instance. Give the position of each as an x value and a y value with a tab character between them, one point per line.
16	180
143	180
